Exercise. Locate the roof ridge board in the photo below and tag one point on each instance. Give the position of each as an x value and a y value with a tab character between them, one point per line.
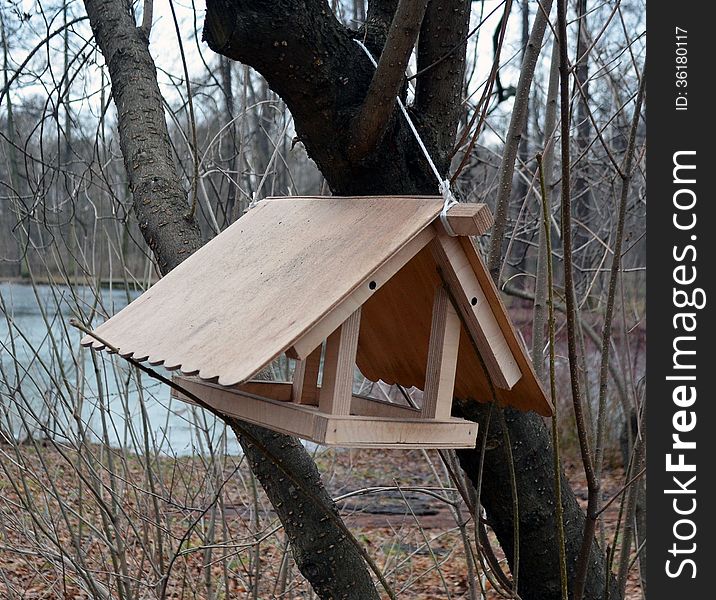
387	197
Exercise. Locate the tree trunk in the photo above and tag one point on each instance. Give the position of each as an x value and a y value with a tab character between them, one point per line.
325	555
310	60
532	454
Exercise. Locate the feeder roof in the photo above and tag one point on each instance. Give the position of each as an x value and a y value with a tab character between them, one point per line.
289	268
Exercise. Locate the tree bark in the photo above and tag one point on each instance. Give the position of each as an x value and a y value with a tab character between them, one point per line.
328	559
308	58
532	455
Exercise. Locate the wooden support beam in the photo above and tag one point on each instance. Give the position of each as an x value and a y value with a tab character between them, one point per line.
394	431
477	312
305	379
469	218
338	367
378	432
372	407
274	390
442	358
280	391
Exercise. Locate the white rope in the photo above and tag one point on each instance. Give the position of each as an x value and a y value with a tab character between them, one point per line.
443	184
254	201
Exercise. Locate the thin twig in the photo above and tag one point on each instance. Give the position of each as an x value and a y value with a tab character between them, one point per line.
256	442
547	225
582	434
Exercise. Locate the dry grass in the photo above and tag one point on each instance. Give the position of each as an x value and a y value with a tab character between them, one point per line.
227	541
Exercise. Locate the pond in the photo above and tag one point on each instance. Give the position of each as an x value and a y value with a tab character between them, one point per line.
51	387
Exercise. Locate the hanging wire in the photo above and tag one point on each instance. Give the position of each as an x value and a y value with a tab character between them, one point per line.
443	183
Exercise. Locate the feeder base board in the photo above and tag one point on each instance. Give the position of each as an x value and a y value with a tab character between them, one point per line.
403	428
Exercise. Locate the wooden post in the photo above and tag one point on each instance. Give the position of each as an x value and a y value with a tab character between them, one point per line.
305	379
338	366
469	219
442	358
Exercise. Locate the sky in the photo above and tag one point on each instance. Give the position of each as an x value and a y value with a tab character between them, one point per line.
87	80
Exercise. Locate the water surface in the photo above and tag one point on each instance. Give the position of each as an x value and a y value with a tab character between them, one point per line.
47	380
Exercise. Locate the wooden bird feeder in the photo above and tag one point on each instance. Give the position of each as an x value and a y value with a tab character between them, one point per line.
372	282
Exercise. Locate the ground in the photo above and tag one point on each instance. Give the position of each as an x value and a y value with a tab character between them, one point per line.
410	530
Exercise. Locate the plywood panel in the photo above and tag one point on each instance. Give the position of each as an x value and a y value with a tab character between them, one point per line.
252	291
395	329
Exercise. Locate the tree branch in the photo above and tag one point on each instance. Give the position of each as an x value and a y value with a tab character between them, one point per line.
441	64
160	202
372	119
514	137
378	19
322	551
147	16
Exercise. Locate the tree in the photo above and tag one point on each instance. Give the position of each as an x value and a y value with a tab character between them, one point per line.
345	115
323	552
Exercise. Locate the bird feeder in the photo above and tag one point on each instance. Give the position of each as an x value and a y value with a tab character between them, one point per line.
335	283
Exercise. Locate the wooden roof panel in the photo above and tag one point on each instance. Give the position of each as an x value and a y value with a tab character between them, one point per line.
251	292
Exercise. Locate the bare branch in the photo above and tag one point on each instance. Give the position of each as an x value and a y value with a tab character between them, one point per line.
514	136
147	16
579	414
372	119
